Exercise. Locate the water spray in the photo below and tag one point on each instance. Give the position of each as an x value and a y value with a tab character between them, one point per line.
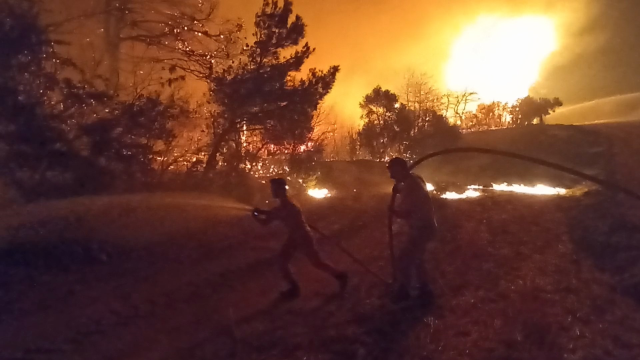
611	186
217	203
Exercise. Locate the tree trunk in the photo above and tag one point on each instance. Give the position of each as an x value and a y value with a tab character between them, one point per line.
114	22
212	160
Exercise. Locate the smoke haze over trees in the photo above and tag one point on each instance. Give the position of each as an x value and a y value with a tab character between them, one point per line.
171	90
416	35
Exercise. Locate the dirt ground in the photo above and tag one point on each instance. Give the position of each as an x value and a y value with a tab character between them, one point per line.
189	277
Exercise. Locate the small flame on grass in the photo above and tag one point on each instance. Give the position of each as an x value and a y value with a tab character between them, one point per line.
318	193
535	190
456	196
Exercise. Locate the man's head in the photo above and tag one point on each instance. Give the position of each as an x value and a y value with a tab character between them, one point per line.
398	169
278	188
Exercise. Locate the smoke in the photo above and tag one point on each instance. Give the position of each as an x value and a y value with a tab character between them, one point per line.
379	41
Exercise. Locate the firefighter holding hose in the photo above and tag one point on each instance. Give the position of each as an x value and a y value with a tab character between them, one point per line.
415	209
299	239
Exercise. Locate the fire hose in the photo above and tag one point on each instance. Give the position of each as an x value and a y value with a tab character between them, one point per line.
460	150
561	168
350	255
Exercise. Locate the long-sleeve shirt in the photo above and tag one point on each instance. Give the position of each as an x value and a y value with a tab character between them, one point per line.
290	215
414	205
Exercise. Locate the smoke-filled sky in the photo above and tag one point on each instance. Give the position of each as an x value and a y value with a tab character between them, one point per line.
379	41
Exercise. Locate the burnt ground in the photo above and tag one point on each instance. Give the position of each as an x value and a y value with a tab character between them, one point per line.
516	277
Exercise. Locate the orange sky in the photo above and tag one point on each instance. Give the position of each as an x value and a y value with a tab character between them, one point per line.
379	41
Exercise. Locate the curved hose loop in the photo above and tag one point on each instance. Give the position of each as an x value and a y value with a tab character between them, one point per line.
604	183
460	150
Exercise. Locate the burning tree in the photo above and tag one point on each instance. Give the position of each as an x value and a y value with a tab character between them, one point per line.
151	37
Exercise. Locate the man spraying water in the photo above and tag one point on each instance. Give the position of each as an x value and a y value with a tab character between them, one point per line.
416	210
299	239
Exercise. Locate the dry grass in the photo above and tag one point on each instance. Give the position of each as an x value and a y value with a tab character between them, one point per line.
513	281
516	277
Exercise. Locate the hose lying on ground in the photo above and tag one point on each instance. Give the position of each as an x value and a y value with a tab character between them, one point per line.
603	183
351	256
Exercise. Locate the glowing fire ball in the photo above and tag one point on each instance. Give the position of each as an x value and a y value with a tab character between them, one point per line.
318	193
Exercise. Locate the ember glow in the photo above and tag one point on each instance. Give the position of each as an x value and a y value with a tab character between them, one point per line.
318	193
500	58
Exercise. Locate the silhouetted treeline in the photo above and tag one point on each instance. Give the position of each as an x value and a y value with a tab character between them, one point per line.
422	118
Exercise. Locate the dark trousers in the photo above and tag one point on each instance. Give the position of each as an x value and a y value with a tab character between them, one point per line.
411	258
306	246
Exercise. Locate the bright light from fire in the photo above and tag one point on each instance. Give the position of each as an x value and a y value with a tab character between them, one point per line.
456	196
500	58
536	190
472	191
319	193
430	187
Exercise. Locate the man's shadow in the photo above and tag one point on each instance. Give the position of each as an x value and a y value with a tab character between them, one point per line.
384	332
378	332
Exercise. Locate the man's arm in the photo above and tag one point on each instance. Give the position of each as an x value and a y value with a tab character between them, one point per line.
402	210
409	201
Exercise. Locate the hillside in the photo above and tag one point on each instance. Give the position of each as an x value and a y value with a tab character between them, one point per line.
580	147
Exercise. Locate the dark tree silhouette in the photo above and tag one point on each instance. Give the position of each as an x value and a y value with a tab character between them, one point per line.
456	103
37	108
129	139
353	145
392	128
438	134
379	134
59	137
261	92
489	116
529	109
420	95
